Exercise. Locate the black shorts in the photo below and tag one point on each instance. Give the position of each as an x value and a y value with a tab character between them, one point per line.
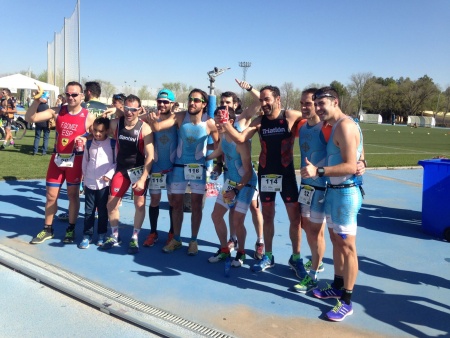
289	188
7	121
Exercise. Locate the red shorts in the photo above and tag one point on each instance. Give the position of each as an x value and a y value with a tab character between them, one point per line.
120	184
57	175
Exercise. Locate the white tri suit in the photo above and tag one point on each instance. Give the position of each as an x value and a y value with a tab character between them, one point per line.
190	157
343	198
165	143
313	145
234	175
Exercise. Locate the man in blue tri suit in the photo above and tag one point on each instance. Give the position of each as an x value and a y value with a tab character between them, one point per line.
194	127
343	196
165	144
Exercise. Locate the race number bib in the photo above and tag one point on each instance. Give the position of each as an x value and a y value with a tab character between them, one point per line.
135	174
271	183
306	194
193	171
158	181
229	185
64	160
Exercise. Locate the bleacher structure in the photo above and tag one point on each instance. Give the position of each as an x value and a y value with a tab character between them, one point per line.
422	121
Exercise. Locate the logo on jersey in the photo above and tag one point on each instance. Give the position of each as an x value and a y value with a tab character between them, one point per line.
136	132
127	138
164	139
65	141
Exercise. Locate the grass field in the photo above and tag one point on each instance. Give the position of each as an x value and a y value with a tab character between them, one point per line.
385	146
391	146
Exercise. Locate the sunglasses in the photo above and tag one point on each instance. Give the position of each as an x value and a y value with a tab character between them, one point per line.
117	97
72	95
195	99
131	109
163	101
322	95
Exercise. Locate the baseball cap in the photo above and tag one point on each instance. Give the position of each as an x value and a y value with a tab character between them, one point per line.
166	94
44	97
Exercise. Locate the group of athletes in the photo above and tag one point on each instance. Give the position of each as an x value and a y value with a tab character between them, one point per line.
167	150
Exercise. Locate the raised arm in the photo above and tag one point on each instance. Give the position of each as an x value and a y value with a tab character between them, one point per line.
31	115
246	135
246	116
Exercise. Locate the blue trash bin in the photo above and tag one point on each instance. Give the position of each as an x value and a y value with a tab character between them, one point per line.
436	197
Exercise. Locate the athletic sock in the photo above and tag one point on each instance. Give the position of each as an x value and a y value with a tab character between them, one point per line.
115	232
47	228
71	227
269	255
295	257
313	274
347	296
171	222
338	282
154	214
135	233
193	238
177	238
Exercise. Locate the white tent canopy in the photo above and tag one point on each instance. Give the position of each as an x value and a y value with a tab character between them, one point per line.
19	81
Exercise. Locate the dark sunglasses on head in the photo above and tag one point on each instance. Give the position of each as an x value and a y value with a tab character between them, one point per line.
195	99
117	97
321	95
131	109
163	101
73	94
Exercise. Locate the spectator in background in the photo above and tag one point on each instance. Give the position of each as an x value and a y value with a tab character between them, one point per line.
176	107
61	100
8	111
92	92
42	127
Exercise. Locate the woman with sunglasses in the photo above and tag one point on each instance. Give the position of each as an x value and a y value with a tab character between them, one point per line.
72	122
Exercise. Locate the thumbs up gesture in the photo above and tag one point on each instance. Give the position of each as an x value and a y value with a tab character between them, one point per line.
308	171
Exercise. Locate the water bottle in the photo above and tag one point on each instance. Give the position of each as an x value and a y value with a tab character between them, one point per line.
227	266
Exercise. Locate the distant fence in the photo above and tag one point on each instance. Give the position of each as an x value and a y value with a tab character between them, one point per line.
421	121
370	118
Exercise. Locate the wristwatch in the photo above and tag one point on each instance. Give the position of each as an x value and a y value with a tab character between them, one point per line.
320	171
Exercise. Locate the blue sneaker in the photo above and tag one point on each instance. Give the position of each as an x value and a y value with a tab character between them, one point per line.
263	264
328	292
133	247
340	311
85	242
298	267
101	239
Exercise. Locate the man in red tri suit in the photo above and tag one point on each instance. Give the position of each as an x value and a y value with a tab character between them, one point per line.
72	122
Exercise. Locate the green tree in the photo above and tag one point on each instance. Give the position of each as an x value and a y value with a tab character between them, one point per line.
345	98
144	93
416	93
359	87
181	90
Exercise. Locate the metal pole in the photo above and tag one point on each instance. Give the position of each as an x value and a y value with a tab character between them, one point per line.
245	65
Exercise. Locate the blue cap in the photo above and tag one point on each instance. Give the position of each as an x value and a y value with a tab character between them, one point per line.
166	94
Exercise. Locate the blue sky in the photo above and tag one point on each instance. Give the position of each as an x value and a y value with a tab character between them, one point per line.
296	41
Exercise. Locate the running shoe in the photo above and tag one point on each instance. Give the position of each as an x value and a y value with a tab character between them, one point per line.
101	239
263	264
133	247
232	244
84	244
70	235
151	239
219	256
307	284
239	260
42	236
308	266
172	246
169	238
259	251
328	292
340	311
298	267
63	216
109	243
193	248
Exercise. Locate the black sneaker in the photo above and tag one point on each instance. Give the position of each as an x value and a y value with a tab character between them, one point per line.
133	247
70	235
42	236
